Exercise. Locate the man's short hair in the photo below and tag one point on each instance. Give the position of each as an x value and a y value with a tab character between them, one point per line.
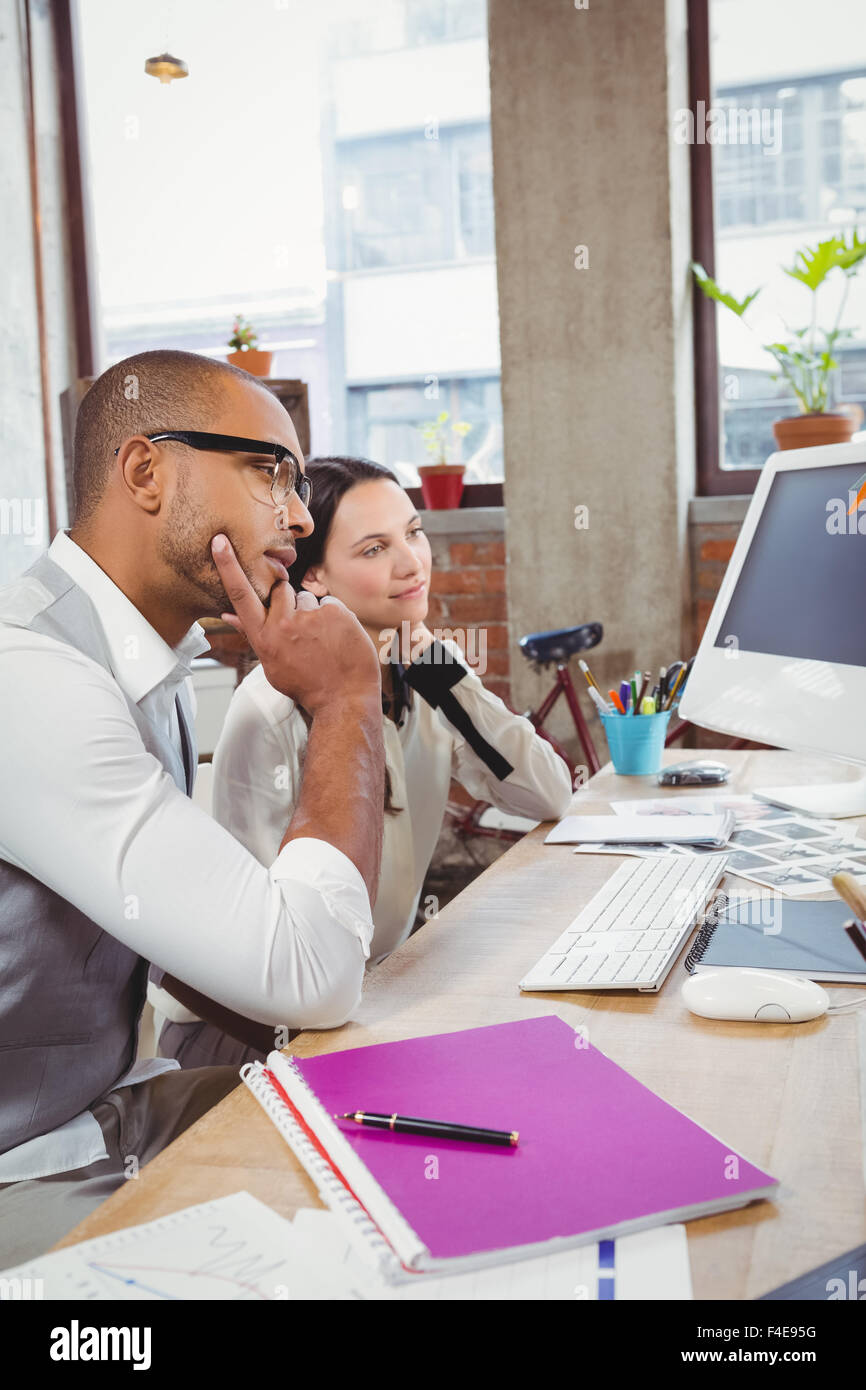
151	391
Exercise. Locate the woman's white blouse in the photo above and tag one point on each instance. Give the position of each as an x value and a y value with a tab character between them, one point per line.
452	727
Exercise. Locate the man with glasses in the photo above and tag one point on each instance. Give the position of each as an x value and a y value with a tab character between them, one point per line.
189	492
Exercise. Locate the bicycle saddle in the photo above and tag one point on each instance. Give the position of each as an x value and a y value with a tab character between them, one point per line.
545	647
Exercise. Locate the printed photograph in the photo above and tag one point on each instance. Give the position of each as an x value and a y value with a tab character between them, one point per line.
753	837
797	850
798	830
784	877
745	859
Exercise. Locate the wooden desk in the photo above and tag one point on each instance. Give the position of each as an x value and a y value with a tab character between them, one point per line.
786	1096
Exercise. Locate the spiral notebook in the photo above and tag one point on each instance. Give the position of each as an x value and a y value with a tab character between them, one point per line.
600	1155
808	938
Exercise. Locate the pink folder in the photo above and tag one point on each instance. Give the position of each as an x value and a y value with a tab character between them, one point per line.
599	1153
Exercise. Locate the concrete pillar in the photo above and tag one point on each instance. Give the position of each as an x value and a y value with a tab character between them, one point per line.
596	342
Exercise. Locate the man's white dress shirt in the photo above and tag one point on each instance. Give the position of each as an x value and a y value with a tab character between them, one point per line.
258	767
89	812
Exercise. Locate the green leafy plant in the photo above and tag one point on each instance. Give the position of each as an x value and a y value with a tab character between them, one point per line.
244	336
806	359
437	434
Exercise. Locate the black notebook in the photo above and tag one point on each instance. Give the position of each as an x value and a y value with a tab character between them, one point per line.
808	938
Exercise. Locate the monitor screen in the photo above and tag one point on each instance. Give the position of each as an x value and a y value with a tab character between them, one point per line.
801	591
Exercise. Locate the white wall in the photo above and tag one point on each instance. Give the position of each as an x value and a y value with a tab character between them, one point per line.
753	40
404	90
412	323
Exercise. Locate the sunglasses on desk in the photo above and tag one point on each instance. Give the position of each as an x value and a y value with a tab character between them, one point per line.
285	471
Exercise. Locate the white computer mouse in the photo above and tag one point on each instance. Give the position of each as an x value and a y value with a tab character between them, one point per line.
763	995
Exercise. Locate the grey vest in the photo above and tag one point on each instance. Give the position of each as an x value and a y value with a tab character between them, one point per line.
71	995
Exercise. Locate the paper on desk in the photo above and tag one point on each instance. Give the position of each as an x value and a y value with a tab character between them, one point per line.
679	803
647	1265
641	851
745	809
681	829
232	1249
237	1249
791	854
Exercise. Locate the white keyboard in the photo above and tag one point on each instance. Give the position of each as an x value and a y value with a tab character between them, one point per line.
628	936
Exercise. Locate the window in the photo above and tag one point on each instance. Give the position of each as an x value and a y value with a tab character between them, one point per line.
438	21
409	201
751	188
819	175
474	178
790	96
395	24
347	210
384	425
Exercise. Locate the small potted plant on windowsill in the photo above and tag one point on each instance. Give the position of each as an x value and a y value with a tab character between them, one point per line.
441	482
806	358
247	355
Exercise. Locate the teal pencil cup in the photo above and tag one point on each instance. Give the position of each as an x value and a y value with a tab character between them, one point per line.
636	741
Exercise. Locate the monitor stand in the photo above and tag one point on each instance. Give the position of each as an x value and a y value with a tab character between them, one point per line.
829	799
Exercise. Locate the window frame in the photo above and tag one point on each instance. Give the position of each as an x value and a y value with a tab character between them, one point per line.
78	230
474	494
712	480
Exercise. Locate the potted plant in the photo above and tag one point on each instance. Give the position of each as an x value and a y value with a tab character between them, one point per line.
442	482
247	355
805	357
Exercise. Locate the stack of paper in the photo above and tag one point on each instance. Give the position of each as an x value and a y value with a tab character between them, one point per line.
236	1249
712	831
790	854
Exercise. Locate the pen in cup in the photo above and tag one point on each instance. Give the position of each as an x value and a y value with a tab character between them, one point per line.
602	705
680	677
589	677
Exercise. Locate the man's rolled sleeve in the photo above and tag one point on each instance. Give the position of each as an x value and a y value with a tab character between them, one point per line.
335	877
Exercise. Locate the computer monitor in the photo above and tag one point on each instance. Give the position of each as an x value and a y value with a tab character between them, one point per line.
783	657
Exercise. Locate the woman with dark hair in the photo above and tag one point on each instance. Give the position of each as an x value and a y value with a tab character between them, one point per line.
369	550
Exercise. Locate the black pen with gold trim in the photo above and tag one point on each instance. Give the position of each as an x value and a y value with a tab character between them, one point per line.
433	1129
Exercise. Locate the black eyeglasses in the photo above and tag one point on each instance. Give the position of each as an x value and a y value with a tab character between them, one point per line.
286	475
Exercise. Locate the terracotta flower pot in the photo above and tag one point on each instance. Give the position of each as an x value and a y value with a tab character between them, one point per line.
442	485
802	431
252	360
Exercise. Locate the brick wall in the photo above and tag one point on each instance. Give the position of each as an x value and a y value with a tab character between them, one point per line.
468	592
467	597
712	547
714	525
